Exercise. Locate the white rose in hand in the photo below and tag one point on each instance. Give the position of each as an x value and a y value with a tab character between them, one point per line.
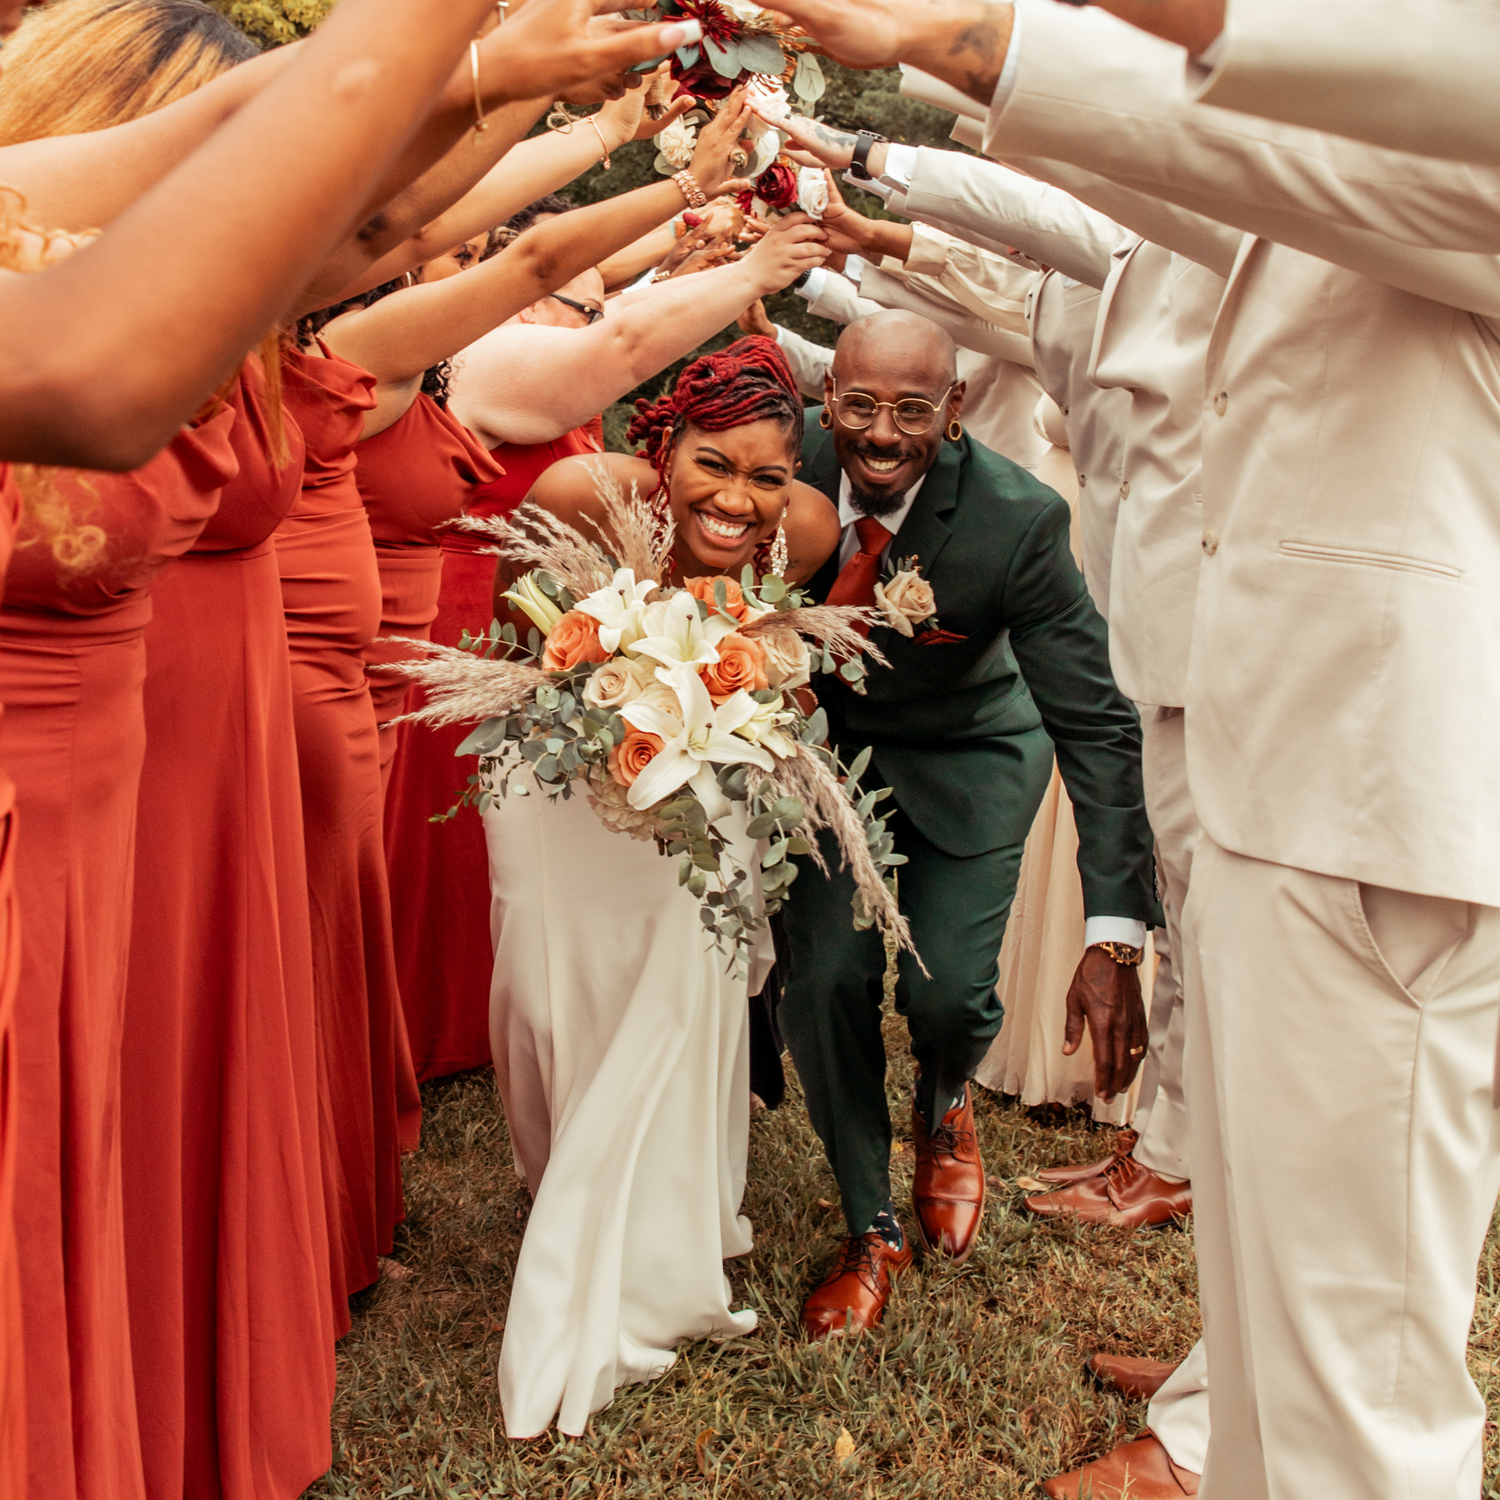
812	191
906	600
788	662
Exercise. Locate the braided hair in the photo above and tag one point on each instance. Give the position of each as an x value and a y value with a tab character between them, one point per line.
750	381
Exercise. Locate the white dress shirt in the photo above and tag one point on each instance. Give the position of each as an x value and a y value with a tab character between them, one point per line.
1095	929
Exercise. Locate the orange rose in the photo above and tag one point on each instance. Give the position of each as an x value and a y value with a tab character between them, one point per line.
734	595
633	754
573	641
741	664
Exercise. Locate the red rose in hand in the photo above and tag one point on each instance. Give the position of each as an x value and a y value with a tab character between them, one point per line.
776	187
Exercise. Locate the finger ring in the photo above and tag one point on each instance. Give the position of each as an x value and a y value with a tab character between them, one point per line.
1136	1051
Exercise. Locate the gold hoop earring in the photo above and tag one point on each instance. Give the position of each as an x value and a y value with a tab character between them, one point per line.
955	430
825	419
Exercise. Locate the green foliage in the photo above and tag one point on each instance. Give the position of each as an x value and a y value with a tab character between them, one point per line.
272	22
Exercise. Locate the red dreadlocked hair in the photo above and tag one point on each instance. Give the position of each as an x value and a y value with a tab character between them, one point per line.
750	381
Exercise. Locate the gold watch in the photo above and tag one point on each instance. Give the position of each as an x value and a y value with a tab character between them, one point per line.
1122	953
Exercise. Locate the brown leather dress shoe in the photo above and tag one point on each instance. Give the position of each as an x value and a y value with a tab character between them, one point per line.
1125	1194
1134	1471
947	1190
1135	1379
854	1293
1066	1176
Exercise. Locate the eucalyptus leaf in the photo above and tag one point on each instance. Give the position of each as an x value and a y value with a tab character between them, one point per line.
773	590
861	761
688	56
759	827
759	53
724	58
808	83
484	738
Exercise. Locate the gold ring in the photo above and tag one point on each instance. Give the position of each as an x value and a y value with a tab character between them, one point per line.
1136	1051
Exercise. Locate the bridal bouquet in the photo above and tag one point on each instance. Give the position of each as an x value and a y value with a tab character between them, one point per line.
666	706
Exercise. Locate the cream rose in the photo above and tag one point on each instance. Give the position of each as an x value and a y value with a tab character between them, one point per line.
677	143
615	684
906	600
788	662
812	191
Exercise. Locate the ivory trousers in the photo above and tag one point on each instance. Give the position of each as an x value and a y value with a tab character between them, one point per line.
1161	1111
1340	1061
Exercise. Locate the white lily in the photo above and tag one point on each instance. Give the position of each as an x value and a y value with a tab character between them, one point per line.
532	602
673	635
618	607
764	728
703	738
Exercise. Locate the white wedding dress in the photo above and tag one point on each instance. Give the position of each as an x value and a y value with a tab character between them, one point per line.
621	1049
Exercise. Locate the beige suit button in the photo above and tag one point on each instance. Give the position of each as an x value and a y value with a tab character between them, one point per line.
1210	542
1221	402
1125	490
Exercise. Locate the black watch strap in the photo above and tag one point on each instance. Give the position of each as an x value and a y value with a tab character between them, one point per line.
858	167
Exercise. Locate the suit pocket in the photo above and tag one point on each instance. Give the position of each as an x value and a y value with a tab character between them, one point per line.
1397	561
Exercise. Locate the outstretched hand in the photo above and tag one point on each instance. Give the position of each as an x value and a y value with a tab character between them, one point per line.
791	246
627	116
821	145
1106	997
713	157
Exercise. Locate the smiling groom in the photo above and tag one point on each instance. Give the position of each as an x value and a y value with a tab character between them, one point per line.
1004	663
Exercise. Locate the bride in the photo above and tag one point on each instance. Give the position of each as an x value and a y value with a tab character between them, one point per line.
620	1040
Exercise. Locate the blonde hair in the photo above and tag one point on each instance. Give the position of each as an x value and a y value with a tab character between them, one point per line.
82	65
77	66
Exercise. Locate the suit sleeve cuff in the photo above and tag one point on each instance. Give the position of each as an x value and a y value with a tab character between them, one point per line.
812	288
1010	70
1114	930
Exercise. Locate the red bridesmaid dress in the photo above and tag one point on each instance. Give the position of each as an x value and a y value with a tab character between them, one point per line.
440	873
415	475
368	1100
12	1341
225	1236
72	664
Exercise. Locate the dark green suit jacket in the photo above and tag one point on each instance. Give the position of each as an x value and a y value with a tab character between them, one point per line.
964	733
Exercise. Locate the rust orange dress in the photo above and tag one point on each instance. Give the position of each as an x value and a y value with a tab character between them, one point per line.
415	475
72	664
225	1236
440	872
370	1110
12	1341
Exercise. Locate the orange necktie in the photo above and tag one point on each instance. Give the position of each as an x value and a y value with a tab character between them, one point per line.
856	582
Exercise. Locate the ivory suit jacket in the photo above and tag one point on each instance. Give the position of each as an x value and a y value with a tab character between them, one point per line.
1342	716
1148	343
1418	75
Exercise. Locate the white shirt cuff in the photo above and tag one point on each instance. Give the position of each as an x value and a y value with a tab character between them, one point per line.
1201	68
1005	85
877	185
854	267
779	331
812	288
1114	930
900	166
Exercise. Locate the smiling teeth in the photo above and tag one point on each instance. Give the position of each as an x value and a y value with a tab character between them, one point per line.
724	528
883	465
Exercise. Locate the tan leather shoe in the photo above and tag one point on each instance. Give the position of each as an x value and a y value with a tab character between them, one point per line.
1066	1176
947	1191
1134	1471
1135	1379
854	1293
1125	1194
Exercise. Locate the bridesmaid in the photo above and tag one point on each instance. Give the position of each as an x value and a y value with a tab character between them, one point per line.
72	665
330	588
225	1234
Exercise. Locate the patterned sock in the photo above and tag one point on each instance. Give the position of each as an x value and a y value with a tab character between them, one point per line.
888	1226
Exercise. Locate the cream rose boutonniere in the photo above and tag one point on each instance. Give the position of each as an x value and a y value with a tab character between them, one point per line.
906	600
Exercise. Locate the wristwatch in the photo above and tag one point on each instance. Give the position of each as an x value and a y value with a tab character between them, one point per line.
1122	953
801	281
866	139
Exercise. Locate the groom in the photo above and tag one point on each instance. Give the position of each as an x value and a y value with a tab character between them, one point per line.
1012	666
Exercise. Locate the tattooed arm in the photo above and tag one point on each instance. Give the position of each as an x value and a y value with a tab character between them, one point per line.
963	42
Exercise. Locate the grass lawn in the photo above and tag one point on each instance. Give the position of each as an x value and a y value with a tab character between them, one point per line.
972	1387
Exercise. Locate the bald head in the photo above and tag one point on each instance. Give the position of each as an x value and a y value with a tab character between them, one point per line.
897	340
906	369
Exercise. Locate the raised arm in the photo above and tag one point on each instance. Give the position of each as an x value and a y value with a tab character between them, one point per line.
529	384
400	336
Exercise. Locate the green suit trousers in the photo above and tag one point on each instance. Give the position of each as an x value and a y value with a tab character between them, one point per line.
830	1012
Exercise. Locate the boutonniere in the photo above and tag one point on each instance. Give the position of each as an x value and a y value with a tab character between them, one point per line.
909	605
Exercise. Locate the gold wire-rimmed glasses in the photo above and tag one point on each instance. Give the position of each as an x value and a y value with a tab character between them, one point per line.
911	414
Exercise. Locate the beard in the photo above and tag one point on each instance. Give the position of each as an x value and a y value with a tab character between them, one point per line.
876	503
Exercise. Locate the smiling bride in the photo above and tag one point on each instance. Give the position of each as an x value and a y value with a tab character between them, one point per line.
619	1032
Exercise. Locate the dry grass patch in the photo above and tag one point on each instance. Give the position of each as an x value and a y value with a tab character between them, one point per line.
973	1386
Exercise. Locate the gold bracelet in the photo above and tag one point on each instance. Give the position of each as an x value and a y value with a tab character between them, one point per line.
595	123
694	194
480	123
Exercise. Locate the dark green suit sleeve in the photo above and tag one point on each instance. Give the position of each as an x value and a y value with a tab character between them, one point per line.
1061	645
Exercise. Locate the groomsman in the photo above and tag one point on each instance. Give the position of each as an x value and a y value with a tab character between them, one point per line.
962	725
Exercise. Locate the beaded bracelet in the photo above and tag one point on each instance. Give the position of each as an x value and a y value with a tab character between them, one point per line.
694	194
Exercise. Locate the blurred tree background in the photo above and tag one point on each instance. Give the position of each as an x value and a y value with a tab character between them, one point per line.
852	101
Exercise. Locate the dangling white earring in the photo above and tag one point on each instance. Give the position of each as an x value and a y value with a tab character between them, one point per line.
778	552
